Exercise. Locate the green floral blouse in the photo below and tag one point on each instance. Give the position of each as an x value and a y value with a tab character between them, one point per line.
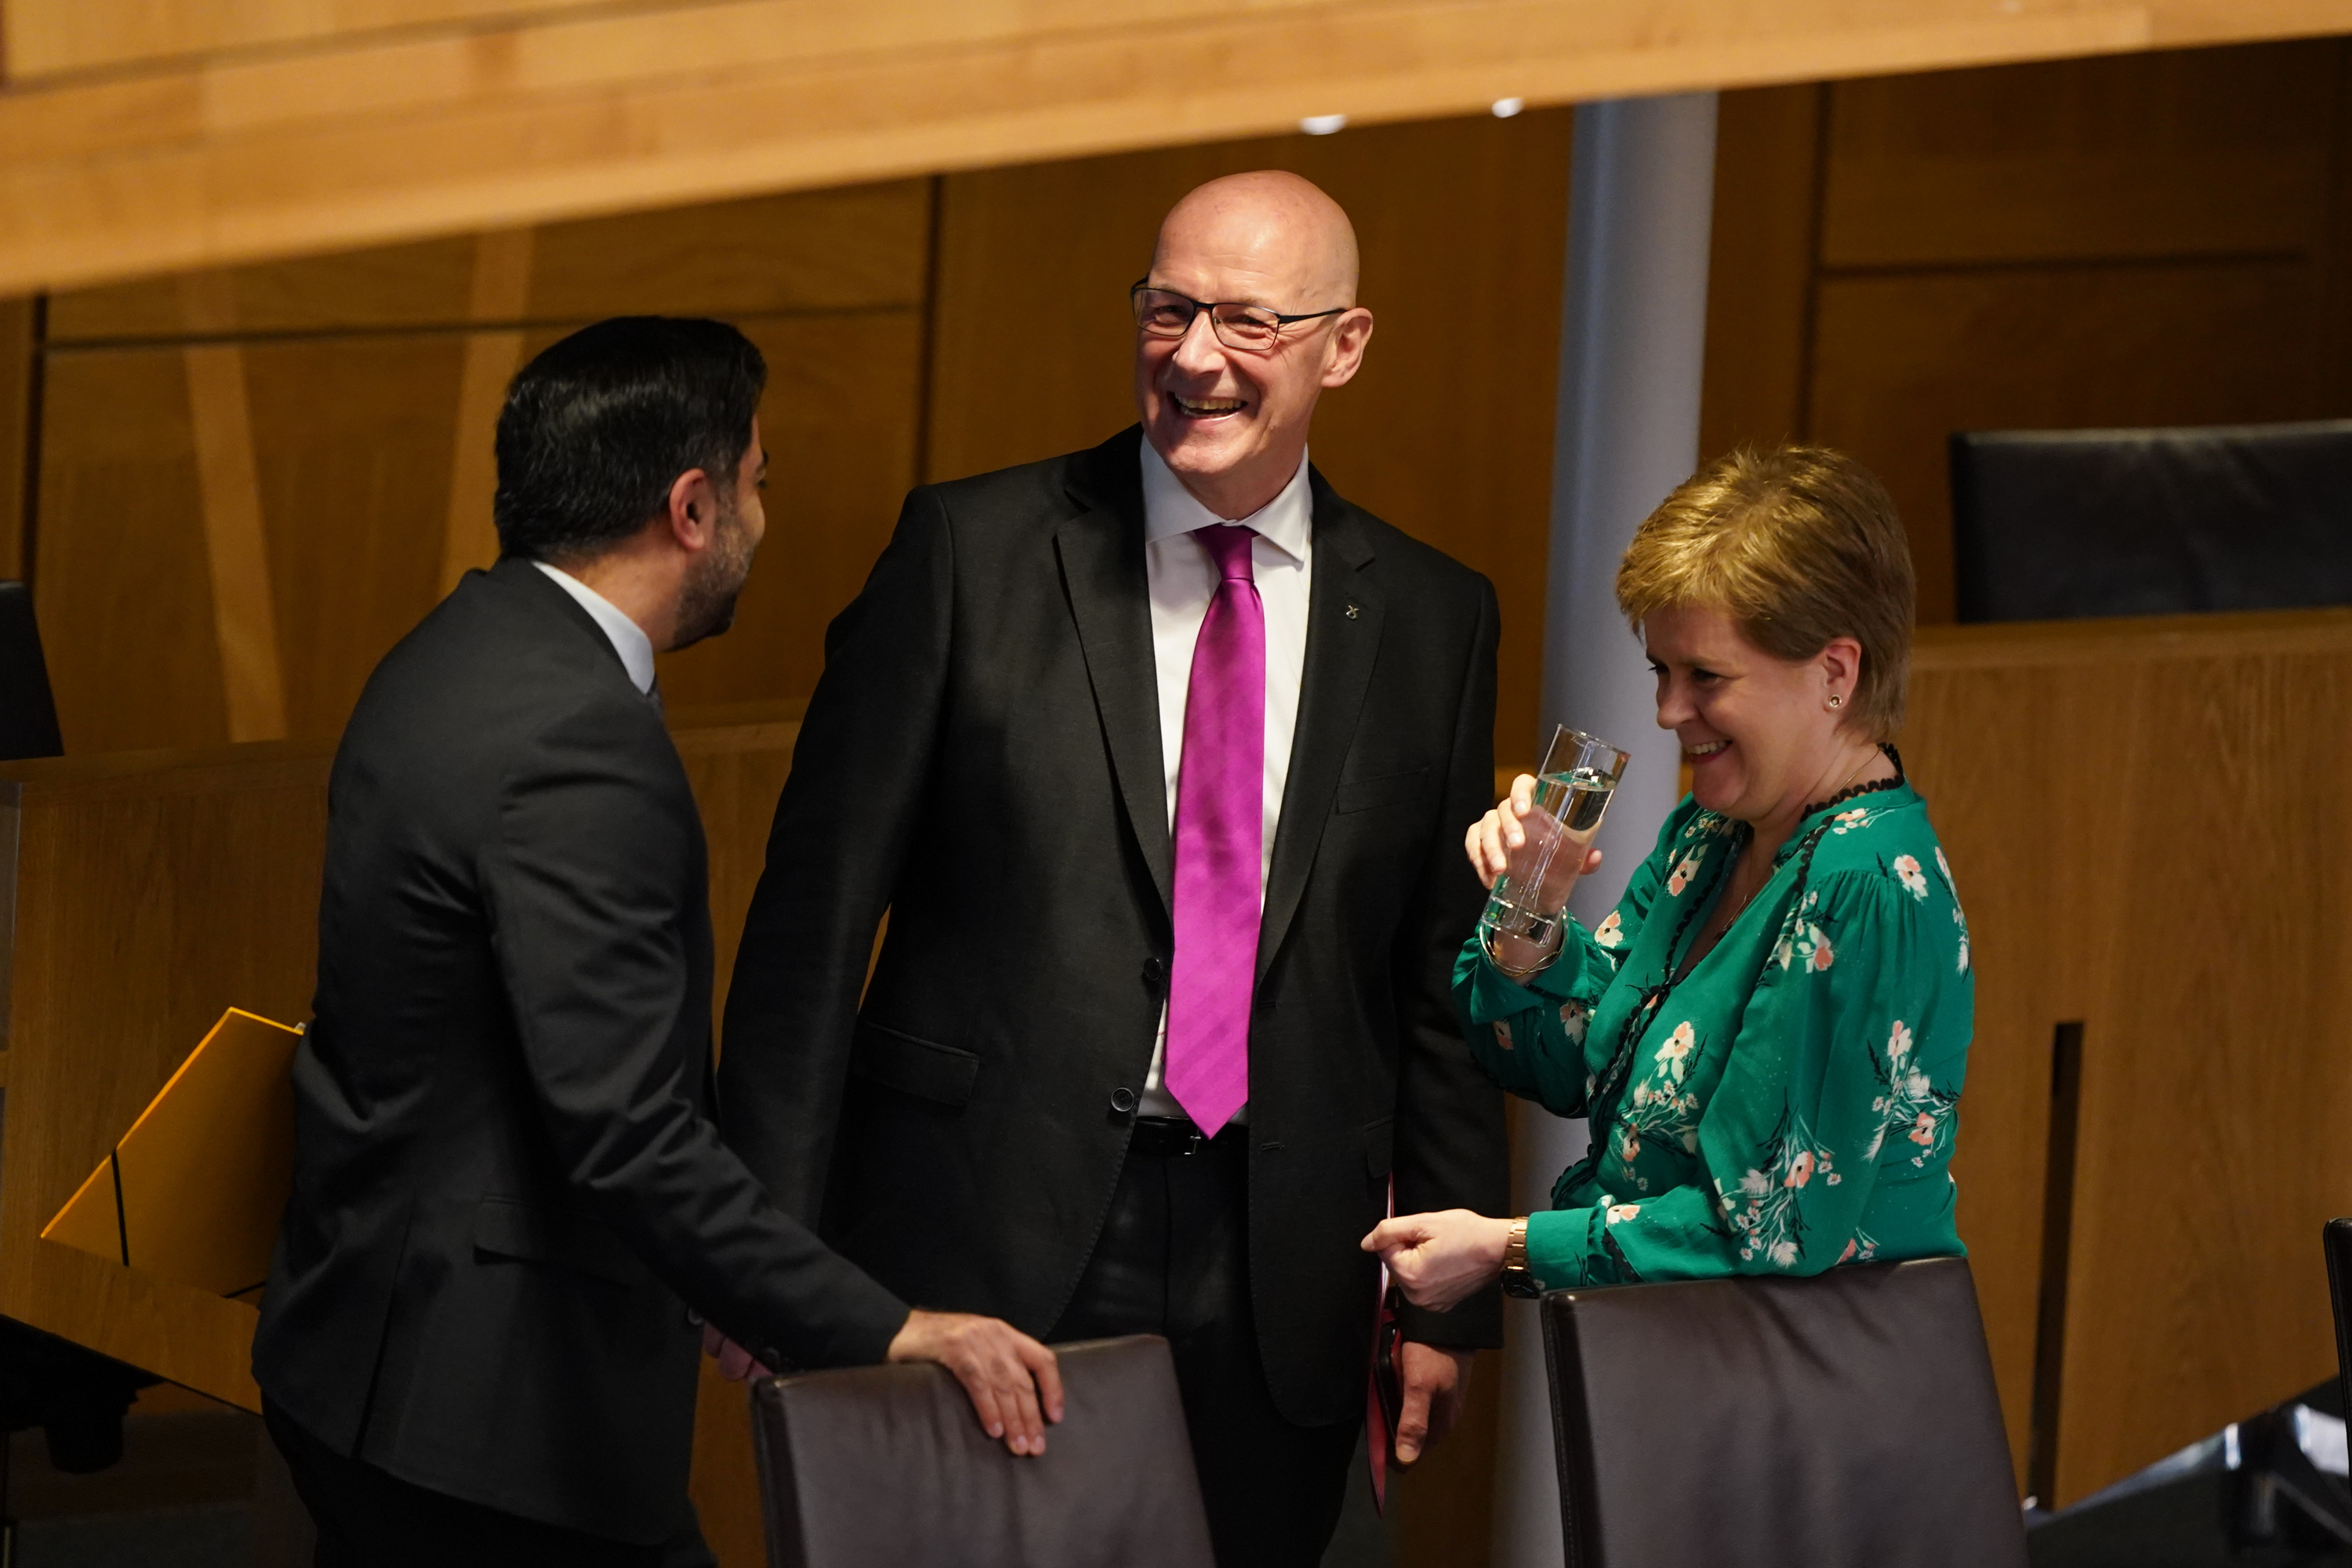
1788	1104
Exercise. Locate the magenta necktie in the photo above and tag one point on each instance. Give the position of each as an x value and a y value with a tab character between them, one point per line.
1220	842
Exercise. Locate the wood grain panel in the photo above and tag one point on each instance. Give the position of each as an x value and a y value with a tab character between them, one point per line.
1446	433
2197	153
420	285
2141	817
373	140
1901	361
501	292
353	438
862	247
19	374
1760	266
150	894
124	594
46	37
245	618
839	422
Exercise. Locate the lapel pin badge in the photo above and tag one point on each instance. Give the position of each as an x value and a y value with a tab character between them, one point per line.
1353	612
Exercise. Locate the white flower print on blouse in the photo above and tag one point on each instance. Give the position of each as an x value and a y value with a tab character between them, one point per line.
1911	1105
1620	1213
1503	1034
1684	870
1764	1214
1803	941
1658	1107
1847	821
1610	932
1961	920
1914	879
1575	1018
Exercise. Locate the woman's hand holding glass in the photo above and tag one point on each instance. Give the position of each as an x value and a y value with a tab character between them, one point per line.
1511	837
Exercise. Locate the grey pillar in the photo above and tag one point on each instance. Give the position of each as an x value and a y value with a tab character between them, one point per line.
1633	341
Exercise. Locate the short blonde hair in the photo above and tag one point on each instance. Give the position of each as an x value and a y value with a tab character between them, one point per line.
1797	544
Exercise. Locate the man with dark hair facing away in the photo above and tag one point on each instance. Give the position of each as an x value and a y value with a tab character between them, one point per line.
511	1204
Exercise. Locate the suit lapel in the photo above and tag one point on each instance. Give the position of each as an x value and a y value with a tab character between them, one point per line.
1101	554
1344	608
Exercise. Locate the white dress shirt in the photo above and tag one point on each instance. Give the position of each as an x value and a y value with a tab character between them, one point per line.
1182	580
629	638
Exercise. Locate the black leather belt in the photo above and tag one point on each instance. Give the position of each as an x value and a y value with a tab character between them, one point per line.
1175	1135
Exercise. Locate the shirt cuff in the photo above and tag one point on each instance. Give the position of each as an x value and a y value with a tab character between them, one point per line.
1559	1241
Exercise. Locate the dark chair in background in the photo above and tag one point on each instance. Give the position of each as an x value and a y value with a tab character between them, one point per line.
1845	1419
2053	525
887	1465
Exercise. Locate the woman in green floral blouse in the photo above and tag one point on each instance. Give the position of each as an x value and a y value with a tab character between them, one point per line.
1769	1033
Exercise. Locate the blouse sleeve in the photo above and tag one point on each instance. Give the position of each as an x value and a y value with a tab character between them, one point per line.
1530	1036
1826	1097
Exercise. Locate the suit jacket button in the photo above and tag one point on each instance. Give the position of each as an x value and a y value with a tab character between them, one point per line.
1122	1100
1155	971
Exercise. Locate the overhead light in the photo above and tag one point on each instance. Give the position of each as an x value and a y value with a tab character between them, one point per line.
1507	107
1322	125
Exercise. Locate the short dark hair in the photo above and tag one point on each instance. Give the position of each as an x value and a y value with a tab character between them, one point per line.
598	427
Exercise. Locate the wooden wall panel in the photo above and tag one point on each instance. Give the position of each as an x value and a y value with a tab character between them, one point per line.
423	284
123	589
346	425
2163	238
1902	360
839	422
2202	153
19	370
1446	432
2130	812
861	247
352	441
1760	261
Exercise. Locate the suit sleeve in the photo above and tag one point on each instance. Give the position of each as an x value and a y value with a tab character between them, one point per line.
843	825
1450	1144
588	880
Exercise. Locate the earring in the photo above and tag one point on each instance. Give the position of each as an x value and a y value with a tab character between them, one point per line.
1836	702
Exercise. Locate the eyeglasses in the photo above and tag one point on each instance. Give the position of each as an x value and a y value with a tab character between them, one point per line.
1253	329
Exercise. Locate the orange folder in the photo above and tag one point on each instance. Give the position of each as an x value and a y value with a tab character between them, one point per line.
193	1191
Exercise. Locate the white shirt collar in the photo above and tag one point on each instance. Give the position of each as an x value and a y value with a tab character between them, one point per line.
629	638
1168	509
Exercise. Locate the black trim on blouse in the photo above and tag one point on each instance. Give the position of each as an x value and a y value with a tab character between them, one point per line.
1847	793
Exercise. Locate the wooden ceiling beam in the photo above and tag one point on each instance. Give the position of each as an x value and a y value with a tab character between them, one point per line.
116	163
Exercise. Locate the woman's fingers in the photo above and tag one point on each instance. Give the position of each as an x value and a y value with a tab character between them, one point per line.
1523	793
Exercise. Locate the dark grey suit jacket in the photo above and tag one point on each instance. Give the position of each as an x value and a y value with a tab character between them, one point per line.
508	1184
982	757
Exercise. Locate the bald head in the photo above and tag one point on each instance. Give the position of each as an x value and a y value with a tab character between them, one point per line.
1231	419
1272	223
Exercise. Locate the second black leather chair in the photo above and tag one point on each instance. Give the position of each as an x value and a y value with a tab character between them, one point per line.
887	1464
1845	1421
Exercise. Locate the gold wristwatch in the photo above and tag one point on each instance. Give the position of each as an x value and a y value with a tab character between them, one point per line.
1516	1280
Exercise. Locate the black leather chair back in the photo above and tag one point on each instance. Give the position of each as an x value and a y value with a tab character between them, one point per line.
2336	1235
28	716
1845	1421
2051	525
887	1465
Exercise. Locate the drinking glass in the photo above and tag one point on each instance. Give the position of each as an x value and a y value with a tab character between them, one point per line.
1580	773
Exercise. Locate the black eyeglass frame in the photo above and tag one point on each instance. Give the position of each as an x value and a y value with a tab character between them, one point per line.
1137	289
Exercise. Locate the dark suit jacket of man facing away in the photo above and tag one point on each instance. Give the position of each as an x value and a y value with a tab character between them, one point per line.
983	755
507	1181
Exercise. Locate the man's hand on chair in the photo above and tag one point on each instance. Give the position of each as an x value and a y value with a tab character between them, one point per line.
1015	1383
1436	1382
